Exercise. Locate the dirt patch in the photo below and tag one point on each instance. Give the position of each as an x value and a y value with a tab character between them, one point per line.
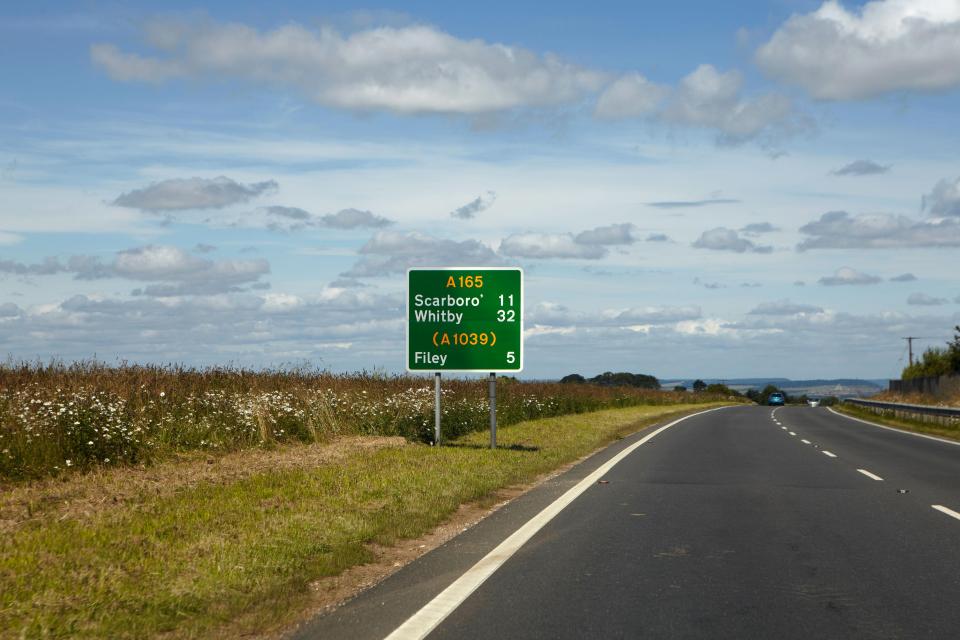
84	496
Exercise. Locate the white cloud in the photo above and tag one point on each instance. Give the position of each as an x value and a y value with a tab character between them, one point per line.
924	300
783	308
759	227
192	193
903	277
944	200
9	238
409	69
861	168
474	207
9	310
549	245
705	98
848	276
354	219
840	230
630	96
656	315
551	314
48	266
588	245
173	271
204	330
613	234
723	239
683	204
394	252
885	46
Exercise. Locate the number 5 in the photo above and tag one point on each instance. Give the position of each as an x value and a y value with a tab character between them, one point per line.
511	357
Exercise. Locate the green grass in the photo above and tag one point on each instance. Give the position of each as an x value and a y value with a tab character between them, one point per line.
233	558
918	426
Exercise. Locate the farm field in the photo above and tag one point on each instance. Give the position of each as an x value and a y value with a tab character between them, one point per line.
228	494
56	419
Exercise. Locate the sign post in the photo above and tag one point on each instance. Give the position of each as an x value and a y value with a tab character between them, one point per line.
465	319
493	411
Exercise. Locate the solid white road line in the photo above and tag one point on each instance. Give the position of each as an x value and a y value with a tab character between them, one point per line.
828	454
434	612
904	432
805	441
949	512
872	476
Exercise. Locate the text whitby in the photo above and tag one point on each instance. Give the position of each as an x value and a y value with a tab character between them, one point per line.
441	308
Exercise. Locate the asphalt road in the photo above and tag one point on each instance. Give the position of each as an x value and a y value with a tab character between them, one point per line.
739	523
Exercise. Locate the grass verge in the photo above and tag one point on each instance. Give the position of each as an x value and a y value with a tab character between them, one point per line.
918	426
233	557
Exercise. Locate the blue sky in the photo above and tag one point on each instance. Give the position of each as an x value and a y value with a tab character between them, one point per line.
771	188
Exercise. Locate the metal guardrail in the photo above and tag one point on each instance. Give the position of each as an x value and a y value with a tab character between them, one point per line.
919	409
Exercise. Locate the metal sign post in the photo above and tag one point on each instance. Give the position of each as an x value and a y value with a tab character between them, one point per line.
436	409
493	411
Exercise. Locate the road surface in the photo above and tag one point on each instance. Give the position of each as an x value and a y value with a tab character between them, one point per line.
746	522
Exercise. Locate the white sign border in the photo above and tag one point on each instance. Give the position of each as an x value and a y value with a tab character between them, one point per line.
406	323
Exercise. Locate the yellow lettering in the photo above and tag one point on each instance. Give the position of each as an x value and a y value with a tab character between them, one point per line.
451	282
445	339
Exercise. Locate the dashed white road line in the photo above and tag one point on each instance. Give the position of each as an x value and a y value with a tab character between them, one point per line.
828	454
805	441
872	476
420	624
949	512
792	433
784	428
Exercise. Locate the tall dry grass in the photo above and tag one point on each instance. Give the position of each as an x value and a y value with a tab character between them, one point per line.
55	417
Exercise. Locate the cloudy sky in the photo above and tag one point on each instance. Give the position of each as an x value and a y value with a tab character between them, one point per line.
693	188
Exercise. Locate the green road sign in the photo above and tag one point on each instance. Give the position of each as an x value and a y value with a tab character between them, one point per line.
464	319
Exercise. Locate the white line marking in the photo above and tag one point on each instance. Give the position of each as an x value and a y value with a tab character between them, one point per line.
805	441
828	454
792	433
434	612
904	432
872	476
784	428
949	512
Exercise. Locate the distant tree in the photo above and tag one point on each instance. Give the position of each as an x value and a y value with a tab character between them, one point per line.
829	401
753	394
680	388
953	348
936	361
573	378
699	385
624	379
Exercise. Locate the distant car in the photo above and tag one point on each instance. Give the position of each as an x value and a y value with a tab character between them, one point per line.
776	399
813	402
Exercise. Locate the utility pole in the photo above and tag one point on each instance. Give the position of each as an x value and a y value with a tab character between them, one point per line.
910	340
